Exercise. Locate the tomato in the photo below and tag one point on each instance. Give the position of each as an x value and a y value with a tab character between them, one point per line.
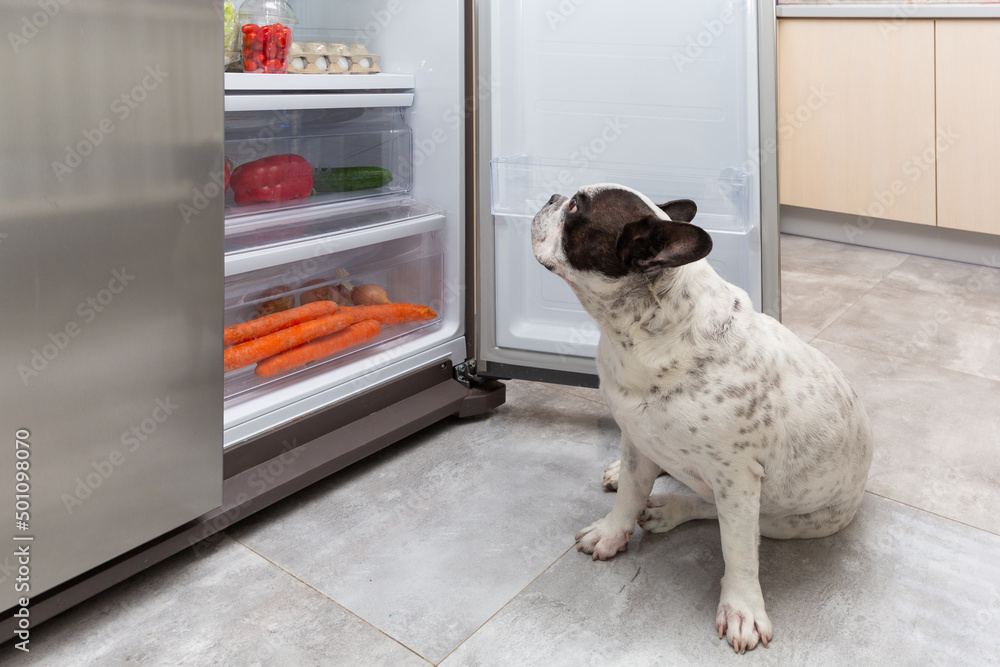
266	47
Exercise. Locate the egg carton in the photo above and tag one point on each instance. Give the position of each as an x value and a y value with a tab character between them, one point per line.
330	58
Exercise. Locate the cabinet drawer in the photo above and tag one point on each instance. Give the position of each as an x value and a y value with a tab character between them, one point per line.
856	117
968	109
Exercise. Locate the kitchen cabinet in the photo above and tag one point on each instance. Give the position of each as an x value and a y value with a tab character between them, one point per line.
968	109
856	117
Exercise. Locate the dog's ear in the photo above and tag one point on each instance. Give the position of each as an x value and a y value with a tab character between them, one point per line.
680	210
652	243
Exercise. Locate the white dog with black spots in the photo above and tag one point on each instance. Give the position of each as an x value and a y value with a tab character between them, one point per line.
763	428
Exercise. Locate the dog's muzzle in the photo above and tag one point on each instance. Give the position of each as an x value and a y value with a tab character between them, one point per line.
541	223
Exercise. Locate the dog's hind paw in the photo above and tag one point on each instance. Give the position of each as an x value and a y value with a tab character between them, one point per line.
611	476
668	510
743	625
602	539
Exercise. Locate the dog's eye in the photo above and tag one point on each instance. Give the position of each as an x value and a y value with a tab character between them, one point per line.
572	205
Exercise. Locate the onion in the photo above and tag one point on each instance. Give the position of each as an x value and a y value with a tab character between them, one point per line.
369	295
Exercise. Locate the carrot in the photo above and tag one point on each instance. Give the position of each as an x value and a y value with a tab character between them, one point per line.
355	334
245	354
391	313
240	333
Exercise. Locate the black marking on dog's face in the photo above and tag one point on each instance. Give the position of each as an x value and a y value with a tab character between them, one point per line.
614	232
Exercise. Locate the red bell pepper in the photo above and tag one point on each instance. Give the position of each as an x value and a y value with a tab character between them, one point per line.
275	178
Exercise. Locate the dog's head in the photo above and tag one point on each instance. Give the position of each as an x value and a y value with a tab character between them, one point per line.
607	233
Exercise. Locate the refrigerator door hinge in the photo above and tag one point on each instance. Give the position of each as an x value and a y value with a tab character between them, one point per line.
465	372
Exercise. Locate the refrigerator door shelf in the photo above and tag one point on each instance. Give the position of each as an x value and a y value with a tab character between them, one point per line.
259	242
542	312
520	186
409	268
374	142
241	81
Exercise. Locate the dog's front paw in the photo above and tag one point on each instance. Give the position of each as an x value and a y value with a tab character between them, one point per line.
603	539
743	622
610	479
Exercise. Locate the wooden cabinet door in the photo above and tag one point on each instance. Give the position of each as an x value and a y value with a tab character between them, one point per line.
856	130
968	110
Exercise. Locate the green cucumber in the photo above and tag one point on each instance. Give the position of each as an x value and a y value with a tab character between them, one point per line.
349	179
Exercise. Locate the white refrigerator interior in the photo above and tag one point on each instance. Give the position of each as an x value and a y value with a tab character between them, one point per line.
657	95
410	238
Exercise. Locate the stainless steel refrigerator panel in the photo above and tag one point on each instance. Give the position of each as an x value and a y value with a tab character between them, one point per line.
111	252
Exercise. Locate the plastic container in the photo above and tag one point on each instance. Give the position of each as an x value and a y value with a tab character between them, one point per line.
327	139
233	36
267	35
409	268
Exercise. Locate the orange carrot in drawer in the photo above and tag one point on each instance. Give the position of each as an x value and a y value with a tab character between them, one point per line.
262	326
245	354
391	313
353	335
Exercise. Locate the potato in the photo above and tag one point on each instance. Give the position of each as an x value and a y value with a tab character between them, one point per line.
275	305
324	293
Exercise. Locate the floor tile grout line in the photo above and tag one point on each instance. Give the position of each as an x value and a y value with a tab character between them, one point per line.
818	335
313	588
505	604
932	513
913	362
569	393
858	300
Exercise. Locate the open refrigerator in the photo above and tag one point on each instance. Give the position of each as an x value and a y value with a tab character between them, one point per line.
480	117
480	112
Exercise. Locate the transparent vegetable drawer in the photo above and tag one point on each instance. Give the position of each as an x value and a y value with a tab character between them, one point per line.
407	265
335	154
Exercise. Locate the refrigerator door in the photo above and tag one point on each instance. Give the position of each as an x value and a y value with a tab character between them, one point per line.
666	99
111	274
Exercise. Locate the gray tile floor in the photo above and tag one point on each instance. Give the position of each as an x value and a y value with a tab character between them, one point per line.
454	547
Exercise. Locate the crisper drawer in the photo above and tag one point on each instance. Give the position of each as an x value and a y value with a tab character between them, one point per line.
405	259
284	158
